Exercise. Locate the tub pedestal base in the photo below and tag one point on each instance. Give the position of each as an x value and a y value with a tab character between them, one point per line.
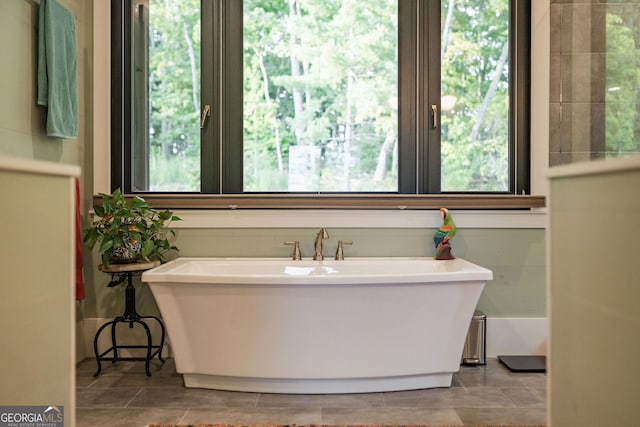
317	386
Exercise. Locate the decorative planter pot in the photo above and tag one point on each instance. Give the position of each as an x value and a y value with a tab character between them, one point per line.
128	253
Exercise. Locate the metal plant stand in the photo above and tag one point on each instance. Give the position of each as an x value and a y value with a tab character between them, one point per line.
120	273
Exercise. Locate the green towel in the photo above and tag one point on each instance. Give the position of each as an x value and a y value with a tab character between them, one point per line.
57	69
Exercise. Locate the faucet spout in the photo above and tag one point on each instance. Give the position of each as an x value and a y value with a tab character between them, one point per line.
322	234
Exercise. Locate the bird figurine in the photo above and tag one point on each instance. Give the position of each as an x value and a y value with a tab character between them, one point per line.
441	239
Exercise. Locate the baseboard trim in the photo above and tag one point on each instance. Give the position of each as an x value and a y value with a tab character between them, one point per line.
517	336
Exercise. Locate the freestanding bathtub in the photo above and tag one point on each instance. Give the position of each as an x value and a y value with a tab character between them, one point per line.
282	326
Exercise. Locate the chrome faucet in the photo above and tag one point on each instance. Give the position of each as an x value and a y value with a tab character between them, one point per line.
297	255
322	234
340	250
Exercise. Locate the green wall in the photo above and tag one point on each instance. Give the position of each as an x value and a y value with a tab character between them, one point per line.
22	122
516	257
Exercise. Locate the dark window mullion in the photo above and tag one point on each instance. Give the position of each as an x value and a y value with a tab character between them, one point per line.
127	107
519	101
429	89
407	28
140	144
210	95
232	97
118	44
129	124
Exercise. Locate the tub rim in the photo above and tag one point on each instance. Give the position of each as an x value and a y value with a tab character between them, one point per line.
468	272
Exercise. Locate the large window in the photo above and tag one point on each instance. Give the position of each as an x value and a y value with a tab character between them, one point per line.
320	96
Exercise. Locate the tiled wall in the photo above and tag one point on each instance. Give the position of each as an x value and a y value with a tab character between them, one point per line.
594	77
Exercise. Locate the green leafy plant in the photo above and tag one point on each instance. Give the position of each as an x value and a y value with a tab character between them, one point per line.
129	230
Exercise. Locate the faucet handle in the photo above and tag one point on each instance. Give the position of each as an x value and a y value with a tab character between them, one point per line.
297	256
340	251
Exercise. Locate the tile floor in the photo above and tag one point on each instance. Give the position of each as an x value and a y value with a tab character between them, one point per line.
124	396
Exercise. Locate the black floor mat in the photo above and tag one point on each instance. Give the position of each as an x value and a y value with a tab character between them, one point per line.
524	363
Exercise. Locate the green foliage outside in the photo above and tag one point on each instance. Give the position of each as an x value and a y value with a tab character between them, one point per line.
174	95
323	74
320	79
475	72
320	76
348	77
622	130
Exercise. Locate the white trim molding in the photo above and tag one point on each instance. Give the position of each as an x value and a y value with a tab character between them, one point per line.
270	218
517	336
38	167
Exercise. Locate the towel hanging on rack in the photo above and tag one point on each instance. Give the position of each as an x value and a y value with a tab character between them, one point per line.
57	69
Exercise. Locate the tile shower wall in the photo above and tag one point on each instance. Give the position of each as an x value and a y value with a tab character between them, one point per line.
595	75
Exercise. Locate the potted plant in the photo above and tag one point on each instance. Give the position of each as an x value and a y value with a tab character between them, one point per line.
129	230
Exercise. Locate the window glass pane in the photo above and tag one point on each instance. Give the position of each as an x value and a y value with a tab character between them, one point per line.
620	85
173	129
320	95
475	95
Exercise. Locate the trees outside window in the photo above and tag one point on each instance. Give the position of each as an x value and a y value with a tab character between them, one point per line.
408	96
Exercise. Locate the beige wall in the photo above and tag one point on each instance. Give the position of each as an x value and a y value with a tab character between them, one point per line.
37	362
594	293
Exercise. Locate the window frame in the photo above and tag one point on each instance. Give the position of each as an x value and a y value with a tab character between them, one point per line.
418	186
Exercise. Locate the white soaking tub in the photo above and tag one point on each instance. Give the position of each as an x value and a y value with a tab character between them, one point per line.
282	326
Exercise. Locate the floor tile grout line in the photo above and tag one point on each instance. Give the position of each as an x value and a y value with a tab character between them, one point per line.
133	398
184	415
258	397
